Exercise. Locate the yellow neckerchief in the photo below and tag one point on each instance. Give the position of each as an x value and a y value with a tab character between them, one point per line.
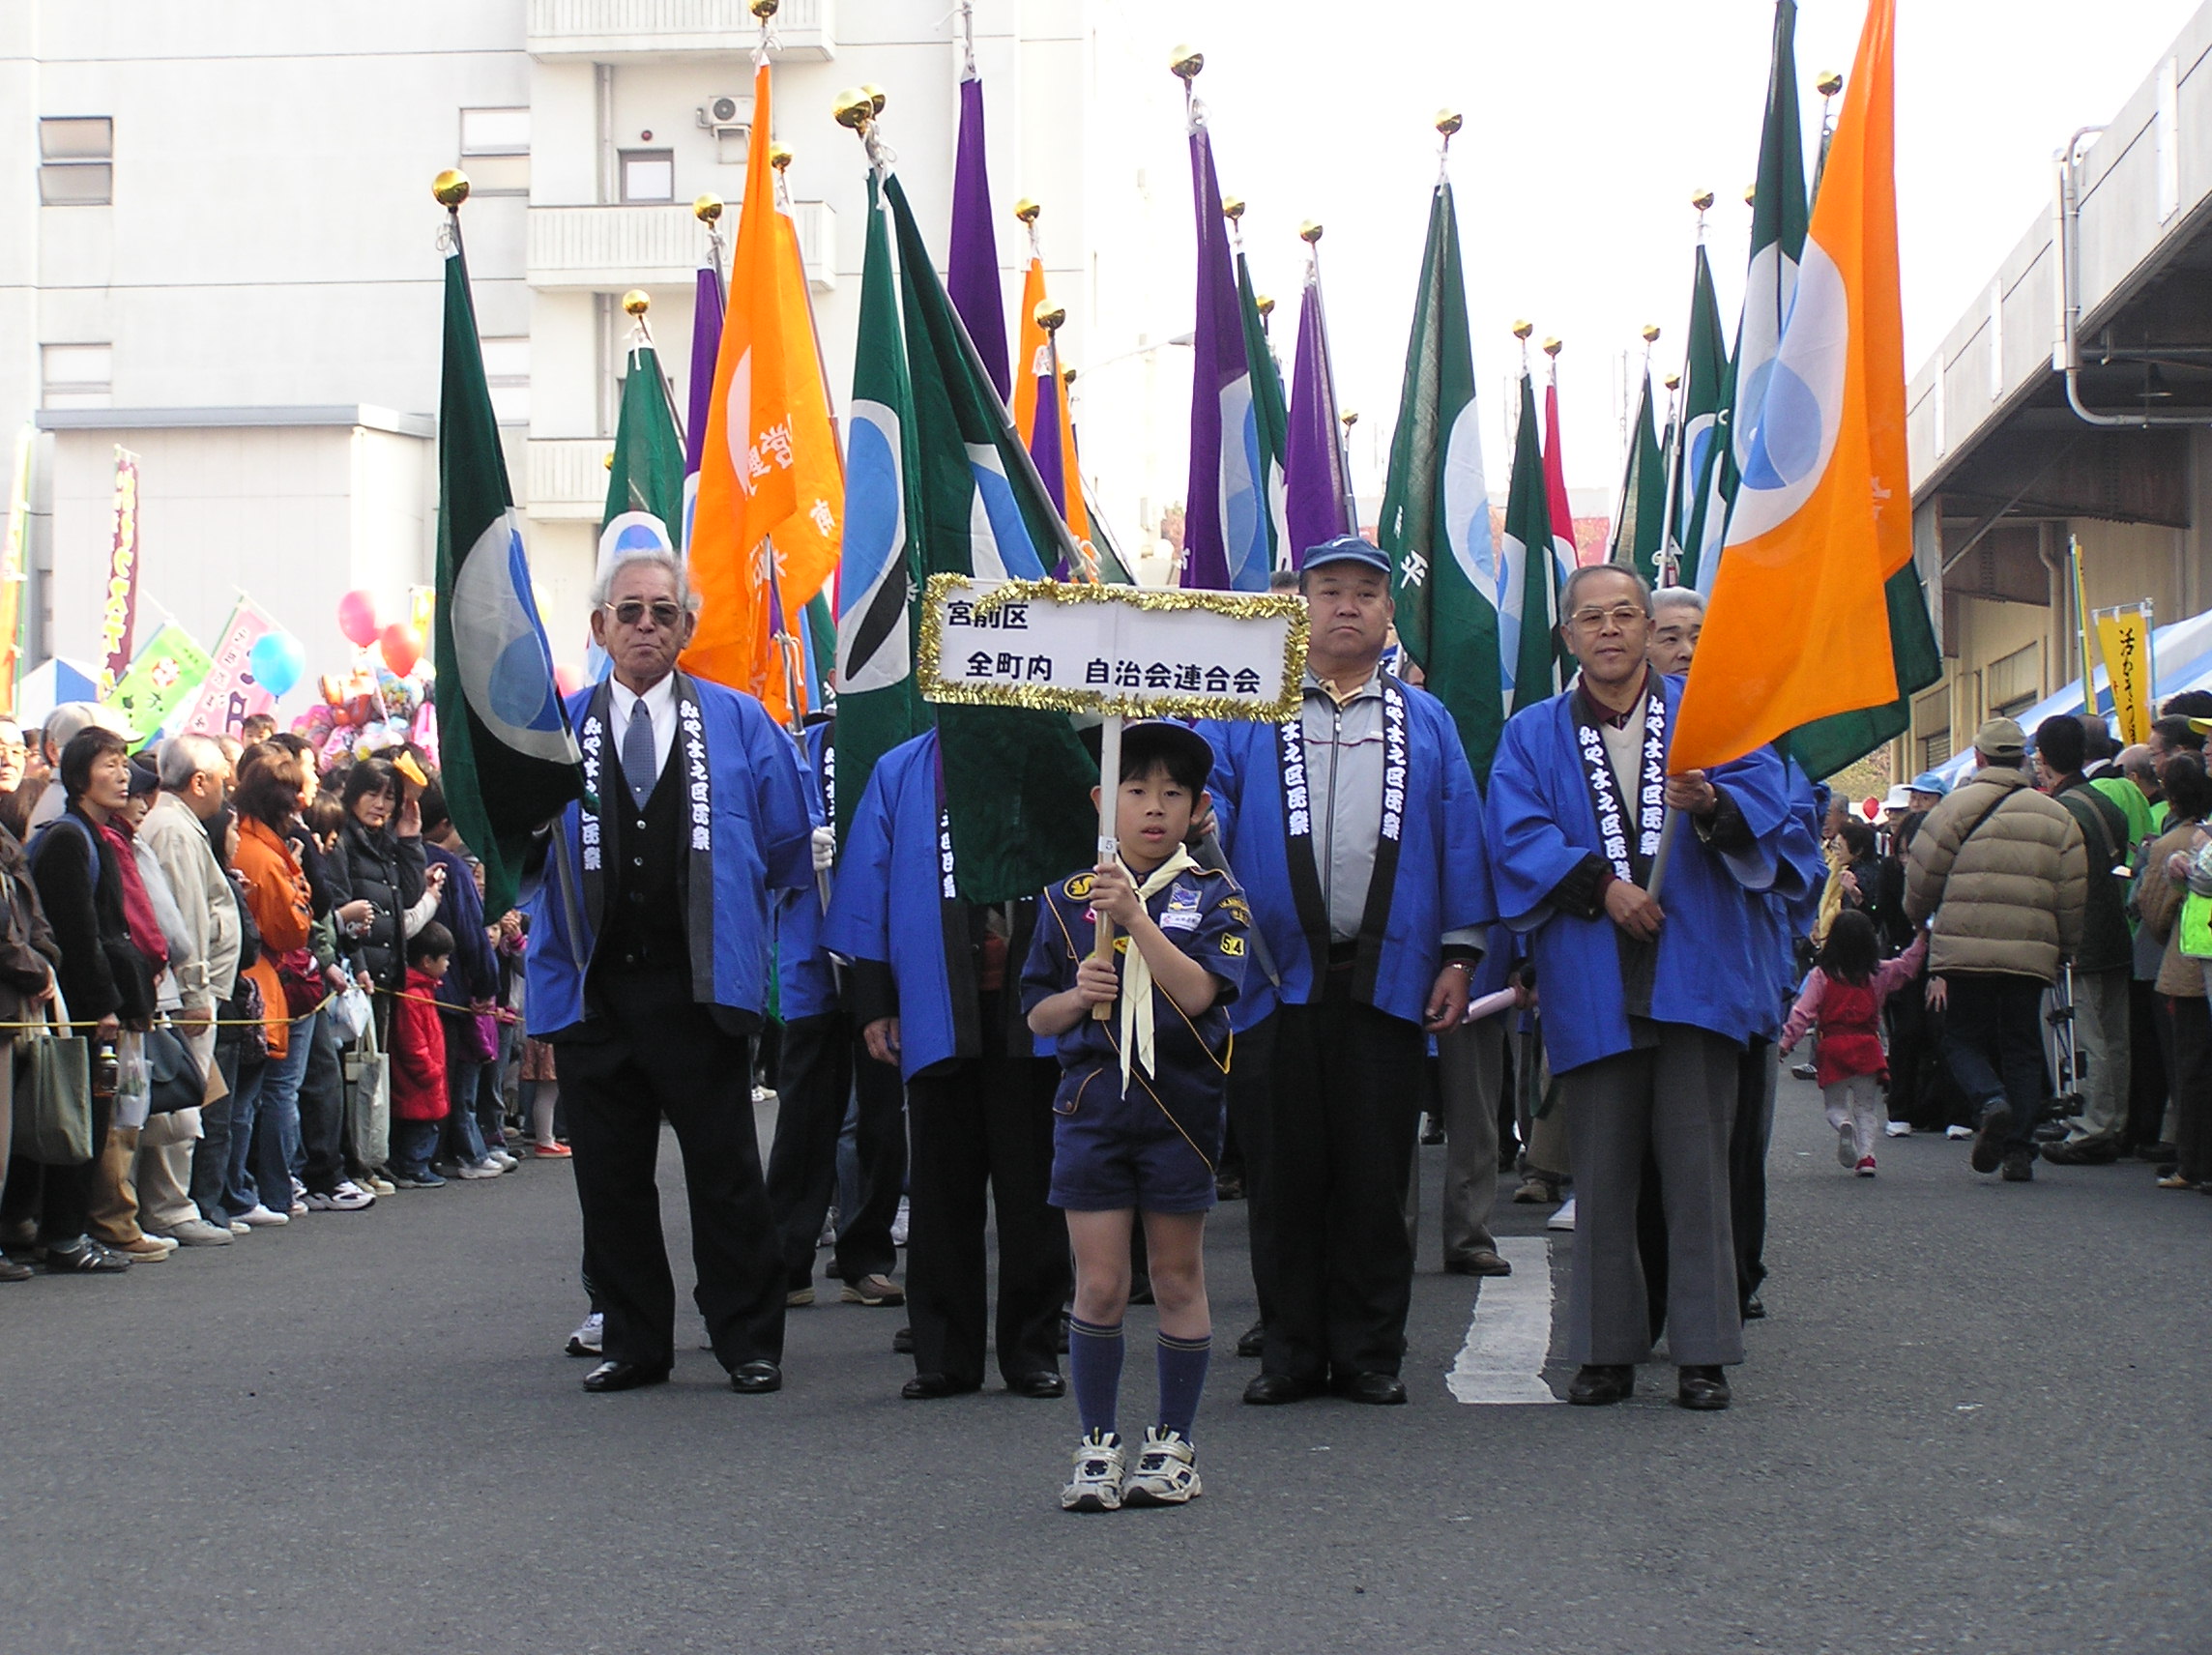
1137	972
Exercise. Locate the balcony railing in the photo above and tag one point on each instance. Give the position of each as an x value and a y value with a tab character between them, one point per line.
568	476
609	248
609	31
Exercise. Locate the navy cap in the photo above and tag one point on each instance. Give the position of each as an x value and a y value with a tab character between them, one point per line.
1347	549
1142	738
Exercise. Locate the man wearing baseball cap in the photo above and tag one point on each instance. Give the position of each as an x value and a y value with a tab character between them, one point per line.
2003	873
1357	833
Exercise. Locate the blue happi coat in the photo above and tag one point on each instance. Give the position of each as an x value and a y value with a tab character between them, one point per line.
806	986
1787	912
748	837
897	916
1443	880
1712	969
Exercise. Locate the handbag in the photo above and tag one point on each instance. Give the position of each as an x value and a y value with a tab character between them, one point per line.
174	1081
350	1014
53	1093
369	1100
302	984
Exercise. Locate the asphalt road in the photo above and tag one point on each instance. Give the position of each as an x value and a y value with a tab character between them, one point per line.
1977	1417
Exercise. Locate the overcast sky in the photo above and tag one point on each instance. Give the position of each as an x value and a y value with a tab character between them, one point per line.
1589	125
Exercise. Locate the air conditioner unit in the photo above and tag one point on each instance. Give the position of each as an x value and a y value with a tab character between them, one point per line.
725	113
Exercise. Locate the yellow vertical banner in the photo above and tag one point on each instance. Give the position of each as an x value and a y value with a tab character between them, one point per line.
2123	638
14	565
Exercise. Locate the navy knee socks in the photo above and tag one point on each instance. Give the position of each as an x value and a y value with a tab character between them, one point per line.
1094	1364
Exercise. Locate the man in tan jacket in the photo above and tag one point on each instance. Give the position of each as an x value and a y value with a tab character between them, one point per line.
2004	873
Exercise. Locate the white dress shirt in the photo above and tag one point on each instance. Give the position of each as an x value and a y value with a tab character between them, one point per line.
660	707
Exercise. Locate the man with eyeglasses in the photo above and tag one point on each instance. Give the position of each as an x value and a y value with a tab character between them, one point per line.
15	754
648	963
182	1154
1648	996
1355	830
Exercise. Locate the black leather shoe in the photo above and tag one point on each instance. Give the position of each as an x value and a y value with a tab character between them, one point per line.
625	1375
1273	1390
1482	1261
1379	1390
1989	1151
1595	1385
1253	1340
930	1387
1704	1390
1754	1309
756	1379
902	1342
1044	1384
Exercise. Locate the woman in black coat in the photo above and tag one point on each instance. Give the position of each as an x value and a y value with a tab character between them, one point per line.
106	981
376	875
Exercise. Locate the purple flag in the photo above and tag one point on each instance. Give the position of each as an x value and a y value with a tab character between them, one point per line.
706	346
971	275
1223	525
1319	507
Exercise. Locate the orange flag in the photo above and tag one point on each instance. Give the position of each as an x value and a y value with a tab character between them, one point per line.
751	462
1034	363
1798	628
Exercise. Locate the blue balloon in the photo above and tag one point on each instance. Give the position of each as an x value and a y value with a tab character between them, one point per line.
277	660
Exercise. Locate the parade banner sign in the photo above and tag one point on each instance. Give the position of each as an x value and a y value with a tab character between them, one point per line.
228	694
2123	638
1140	651
15	562
161	680
119	611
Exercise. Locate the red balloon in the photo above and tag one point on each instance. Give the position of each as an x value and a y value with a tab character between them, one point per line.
1872	808
356	618
567	681
402	647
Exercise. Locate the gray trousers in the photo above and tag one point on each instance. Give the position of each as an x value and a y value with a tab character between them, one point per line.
1678	1099
2101	1035
1470	1068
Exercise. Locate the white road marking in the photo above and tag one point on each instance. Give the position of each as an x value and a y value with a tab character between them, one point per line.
1510	1333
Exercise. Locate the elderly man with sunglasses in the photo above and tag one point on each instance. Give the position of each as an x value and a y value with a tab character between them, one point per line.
648	957
1648	995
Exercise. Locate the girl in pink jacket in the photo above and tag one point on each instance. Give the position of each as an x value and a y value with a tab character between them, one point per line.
1842	1003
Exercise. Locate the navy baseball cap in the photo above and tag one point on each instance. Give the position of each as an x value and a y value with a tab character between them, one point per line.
1347	549
1144	739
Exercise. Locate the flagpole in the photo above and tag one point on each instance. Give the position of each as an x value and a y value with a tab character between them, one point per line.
635	304
1109	841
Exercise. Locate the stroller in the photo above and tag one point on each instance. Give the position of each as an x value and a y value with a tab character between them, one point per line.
2068	1063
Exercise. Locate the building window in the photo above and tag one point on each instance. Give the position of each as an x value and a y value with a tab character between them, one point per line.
76	376
1931	721
495	151
77	155
2014	682
647	175
506	372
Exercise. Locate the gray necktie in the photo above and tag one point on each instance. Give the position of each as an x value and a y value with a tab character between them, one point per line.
638	769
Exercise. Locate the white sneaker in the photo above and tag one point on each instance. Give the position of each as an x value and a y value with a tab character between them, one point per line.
487	1168
1846	1147
588	1339
260	1218
298	1192
505	1161
199	1233
1166	1473
898	1224
1096	1484
1898	1130
348	1196
1565	1218
1958	1134
239	1226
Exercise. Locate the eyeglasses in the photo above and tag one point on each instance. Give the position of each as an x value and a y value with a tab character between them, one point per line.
1621	616
666	612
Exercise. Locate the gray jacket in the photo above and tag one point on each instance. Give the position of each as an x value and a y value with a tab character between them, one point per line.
209	906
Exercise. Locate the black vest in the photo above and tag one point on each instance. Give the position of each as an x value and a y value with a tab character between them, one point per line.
646	879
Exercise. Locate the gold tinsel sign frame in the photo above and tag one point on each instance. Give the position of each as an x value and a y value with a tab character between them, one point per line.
1133	650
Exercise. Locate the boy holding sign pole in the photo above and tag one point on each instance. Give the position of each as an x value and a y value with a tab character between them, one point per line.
1131	972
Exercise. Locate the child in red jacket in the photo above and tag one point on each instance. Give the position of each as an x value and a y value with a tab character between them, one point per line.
418	1101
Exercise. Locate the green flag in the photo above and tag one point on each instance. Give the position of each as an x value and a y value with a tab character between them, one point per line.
1436	505
1698	513
1779	214
1270	419
1017	783
878	704
1640	526
508	761
168	668
1529	619
645	483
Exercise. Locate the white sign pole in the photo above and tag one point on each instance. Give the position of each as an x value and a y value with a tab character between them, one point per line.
1109	838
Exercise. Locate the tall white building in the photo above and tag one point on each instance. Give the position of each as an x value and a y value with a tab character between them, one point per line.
218	248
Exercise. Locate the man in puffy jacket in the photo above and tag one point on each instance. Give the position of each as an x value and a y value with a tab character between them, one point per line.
2004	872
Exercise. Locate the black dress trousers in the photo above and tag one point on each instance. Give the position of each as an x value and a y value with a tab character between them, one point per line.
658	1053
820	1065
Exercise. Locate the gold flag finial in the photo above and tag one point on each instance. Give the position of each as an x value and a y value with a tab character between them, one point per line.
1448	122
853	107
780	157
1522	328
1651	332
1553	346
764	9
636	302
1349	418
1264	303
877	97
1048	315
1703	201
1673	381
707	208
1829	84
1310	231
1027	209
450	187
1232	208
1185	62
